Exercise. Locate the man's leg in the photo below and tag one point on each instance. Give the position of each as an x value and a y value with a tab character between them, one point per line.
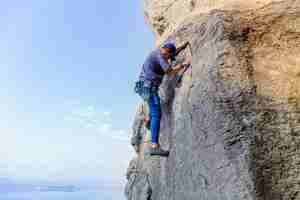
154	117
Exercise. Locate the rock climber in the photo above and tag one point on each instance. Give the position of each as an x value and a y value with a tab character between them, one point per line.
156	65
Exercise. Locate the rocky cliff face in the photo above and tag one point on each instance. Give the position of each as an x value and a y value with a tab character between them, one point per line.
233	123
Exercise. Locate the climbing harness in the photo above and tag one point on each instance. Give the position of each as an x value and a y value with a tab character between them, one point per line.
144	91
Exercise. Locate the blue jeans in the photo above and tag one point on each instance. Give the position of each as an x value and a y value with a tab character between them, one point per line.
151	96
154	116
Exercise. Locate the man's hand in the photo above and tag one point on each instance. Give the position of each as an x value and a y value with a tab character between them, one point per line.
178	67
186	44
181	48
187	62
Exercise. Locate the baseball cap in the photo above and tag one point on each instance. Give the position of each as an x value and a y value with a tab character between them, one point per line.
172	48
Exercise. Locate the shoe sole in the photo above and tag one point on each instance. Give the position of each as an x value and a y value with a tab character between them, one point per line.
156	154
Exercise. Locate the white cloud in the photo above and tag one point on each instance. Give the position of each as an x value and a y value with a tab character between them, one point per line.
104	128
90	108
121	138
106	113
100	121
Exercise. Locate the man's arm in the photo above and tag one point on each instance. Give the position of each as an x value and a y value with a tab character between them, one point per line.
181	48
176	68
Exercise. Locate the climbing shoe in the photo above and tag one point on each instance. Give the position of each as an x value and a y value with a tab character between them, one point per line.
157	151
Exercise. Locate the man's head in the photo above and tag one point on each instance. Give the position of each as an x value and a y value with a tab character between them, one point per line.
168	51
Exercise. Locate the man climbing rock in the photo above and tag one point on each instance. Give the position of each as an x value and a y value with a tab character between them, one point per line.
157	64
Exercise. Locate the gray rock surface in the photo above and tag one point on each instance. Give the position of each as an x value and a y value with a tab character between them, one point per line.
233	124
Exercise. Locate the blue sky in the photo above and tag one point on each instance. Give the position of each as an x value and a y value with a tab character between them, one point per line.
67	70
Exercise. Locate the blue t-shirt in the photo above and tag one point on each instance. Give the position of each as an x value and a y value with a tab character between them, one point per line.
154	69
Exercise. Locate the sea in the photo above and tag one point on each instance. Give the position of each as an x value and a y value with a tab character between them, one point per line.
76	195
